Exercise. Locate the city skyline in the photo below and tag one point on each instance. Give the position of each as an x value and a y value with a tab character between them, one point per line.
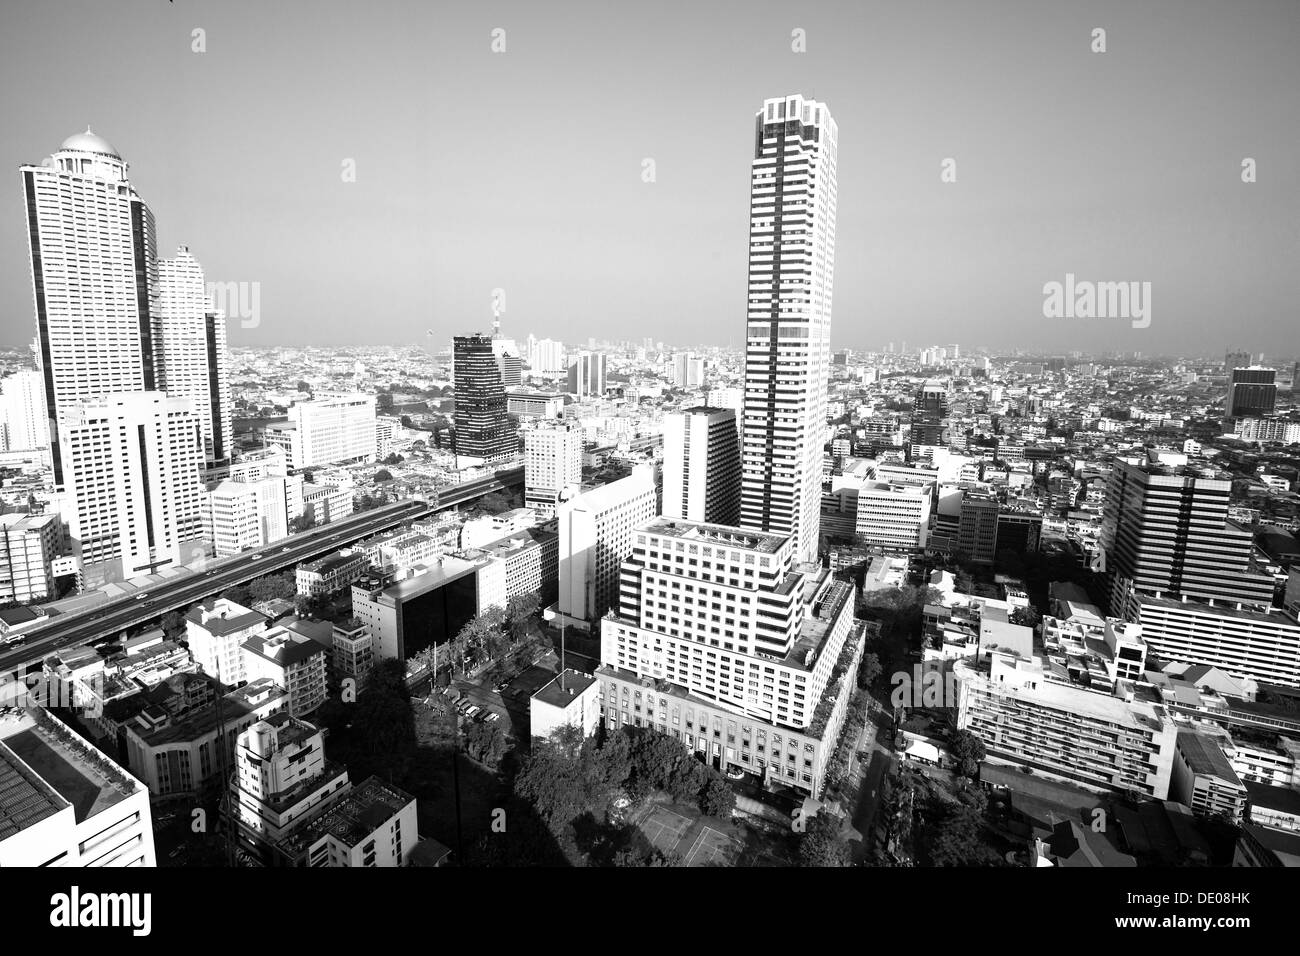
1087	169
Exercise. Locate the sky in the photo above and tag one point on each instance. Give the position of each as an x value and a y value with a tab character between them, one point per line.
523	170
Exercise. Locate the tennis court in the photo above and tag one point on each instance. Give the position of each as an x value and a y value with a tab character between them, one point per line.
665	828
711	848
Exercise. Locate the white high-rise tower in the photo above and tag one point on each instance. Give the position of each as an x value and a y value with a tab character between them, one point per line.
94	277
192	351
787	355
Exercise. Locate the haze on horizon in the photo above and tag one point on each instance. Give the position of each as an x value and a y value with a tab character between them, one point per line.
522	170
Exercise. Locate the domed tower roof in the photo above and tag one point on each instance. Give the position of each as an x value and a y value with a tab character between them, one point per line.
88	142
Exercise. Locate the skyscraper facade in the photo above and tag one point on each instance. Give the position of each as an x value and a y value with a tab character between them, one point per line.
483	428
702	466
787	355
552	463
1166	532
94	277
1252	392
587	375
191	349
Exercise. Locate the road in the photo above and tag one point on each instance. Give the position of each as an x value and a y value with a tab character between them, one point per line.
117	615
872	779
111	617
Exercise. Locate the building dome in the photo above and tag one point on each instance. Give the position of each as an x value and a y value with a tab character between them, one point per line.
88	142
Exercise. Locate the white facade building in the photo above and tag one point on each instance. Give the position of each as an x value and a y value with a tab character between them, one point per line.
552	464
132	464
595	537
702	466
787	357
328	431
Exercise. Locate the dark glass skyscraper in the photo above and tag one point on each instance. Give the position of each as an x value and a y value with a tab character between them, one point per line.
483	429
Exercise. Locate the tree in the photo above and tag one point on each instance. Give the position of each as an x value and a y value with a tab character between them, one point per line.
304	522
394	459
869	670
717	799
955	840
493	503
383	474
272	587
485	743
1027	616
519	614
384	403
968	750
820	844
173	624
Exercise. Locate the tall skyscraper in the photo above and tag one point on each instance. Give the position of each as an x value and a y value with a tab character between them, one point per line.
131	463
1252	392
191	351
787	355
702	466
552	463
94	277
587	375
483	428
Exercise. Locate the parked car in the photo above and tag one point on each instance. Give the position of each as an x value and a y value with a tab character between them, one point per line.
493	716
470	712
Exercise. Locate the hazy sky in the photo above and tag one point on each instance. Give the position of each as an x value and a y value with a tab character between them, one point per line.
522	170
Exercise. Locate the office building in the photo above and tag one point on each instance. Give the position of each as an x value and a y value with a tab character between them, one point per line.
95	278
247	515
596	531
331	431
28	546
1166	532
587	375
688	371
63	803
552	464
215	631
1252	392
24	423
191	353
702	466
892	515
529	404
977	527
724	641
1236	358
546	356
787	355
484	430
132	463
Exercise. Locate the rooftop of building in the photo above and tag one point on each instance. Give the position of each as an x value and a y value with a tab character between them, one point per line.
518	540
283	646
561	690
352	818
1281	799
23	521
65	763
332	562
1205	757
717	534
219	616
